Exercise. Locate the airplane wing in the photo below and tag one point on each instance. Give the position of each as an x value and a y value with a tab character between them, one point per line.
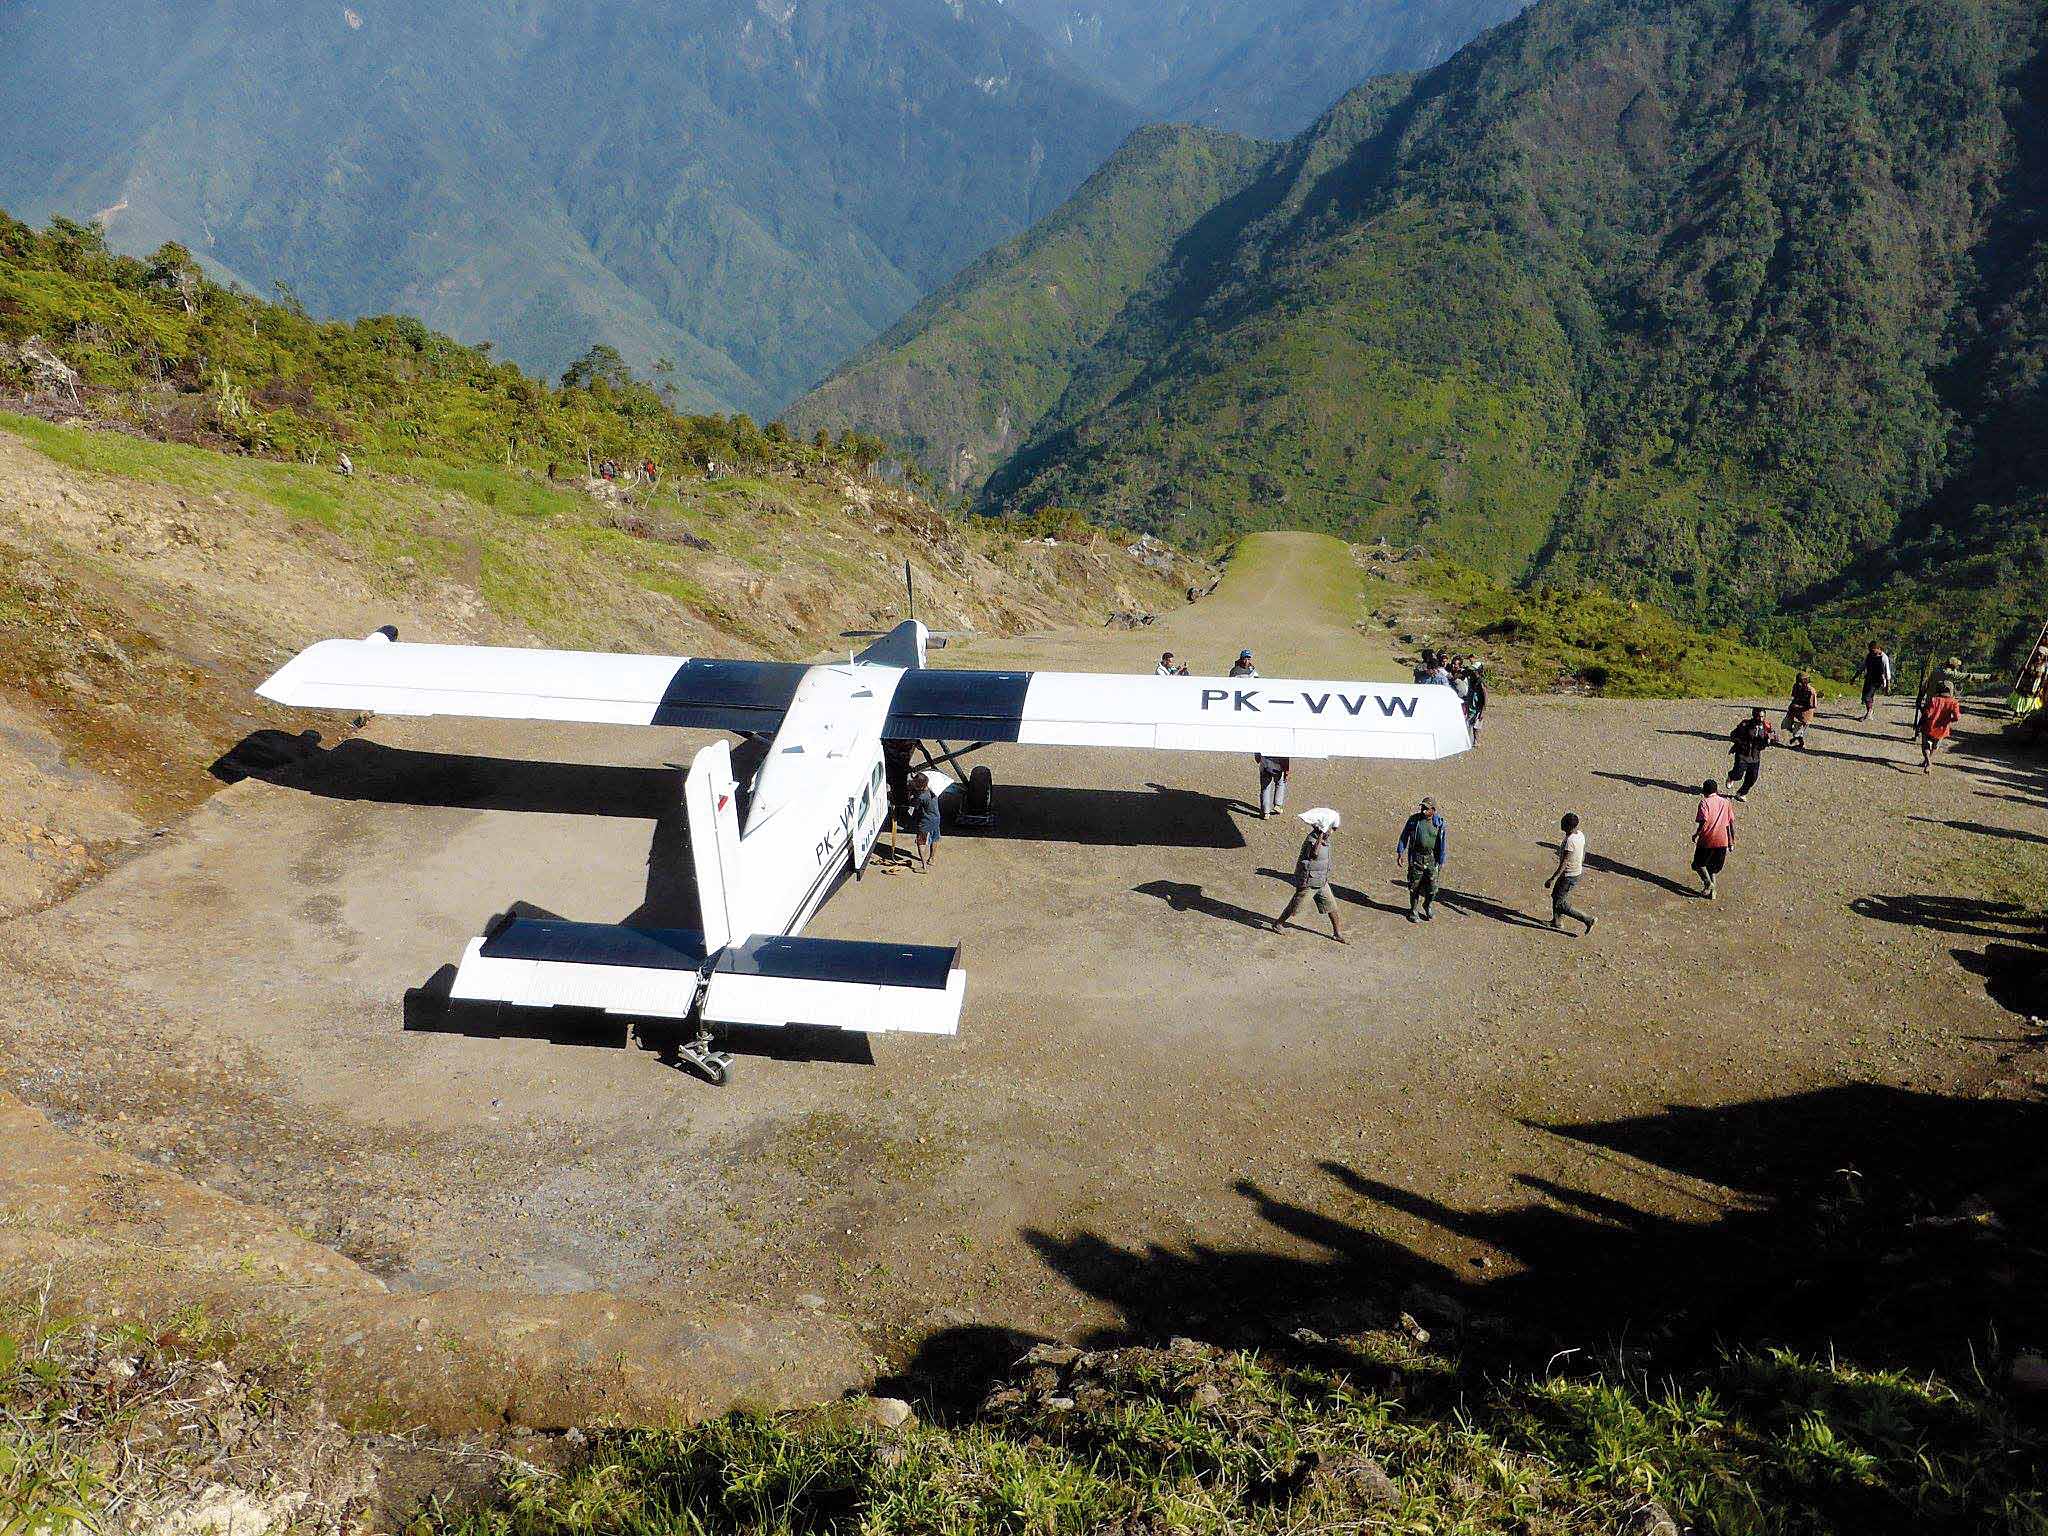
1284	717
1281	716
504	683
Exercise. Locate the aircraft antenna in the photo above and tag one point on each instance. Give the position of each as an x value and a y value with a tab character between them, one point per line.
909	591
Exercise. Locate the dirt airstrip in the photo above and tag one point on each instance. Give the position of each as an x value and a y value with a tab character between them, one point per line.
1157	1114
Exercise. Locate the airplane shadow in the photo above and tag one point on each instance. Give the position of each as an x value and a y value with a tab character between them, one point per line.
370	771
1154	817
430	1010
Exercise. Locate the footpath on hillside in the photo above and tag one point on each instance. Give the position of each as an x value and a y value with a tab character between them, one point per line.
1159	1116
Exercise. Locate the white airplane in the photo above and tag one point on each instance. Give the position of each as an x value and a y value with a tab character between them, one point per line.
819	802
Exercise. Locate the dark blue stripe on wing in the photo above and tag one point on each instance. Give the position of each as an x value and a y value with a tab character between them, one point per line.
958	706
729	695
841	960
648	949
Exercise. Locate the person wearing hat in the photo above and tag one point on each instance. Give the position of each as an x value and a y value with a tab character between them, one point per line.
1243	666
1312	875
1422	848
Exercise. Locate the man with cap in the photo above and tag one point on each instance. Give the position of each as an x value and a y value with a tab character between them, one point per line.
1422	848
1312	873
1243	666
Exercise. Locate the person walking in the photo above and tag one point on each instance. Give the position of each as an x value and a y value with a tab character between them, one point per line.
1799	712
1422	849
1877	676
1243	667
1713	835
1571	868
1312	878
924	811
1475	699
1273	772
1936	721
1748	741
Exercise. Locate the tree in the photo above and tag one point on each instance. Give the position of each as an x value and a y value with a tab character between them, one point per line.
665	370
173	270
601	364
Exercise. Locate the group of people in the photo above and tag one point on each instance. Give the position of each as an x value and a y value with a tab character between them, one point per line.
1421	852
1464	677
1422	847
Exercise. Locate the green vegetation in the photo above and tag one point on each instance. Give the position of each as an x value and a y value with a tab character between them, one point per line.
1739	309
1550	636
155	343
1200	1441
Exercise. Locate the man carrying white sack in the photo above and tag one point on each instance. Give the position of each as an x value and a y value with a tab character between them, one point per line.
1312	871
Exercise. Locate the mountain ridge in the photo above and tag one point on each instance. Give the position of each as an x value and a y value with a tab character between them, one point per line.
1734	307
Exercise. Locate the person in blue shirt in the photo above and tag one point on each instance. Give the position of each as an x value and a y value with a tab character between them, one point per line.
1422	848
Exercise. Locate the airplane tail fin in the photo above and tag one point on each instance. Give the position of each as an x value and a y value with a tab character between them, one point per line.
711	800
904	646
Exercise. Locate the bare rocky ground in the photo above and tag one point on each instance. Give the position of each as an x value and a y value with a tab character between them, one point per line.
1158	1117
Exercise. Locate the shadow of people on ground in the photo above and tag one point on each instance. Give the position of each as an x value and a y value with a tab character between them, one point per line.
1184	896
1892	1224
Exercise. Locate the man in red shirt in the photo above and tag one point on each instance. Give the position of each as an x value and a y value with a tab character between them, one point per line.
1936	721
1713	835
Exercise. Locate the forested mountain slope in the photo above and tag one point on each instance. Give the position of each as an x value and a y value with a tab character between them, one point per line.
1736	306
960	381
750	191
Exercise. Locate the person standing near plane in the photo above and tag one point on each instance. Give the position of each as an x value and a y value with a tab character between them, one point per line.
1168	667
1273	772
1422	848
1877	676
924	811
1475	698
1243	667
1713	835
1312	878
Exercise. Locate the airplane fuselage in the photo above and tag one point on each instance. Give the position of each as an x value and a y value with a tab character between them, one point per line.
820	798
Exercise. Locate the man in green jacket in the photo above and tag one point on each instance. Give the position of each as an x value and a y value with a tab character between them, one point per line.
1422	848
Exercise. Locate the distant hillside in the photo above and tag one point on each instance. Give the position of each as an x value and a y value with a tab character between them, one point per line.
1266	70
750	191
961	381
1735	306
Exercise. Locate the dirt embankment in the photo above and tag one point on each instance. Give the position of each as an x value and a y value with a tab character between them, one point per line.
138	610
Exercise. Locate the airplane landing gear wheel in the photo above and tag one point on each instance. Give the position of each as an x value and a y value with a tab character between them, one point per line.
715	1067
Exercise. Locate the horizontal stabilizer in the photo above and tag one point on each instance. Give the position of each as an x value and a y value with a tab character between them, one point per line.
1283	717
532	963
838	984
